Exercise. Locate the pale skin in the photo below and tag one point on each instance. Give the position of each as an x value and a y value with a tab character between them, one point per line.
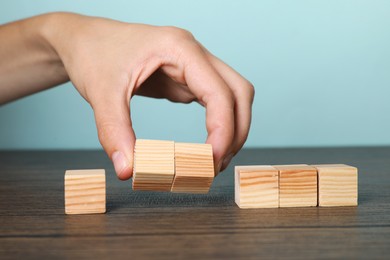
109	62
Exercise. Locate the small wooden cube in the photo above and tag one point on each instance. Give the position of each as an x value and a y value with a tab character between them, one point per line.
85	191
154	165
338	185
297	185
256	186
194	168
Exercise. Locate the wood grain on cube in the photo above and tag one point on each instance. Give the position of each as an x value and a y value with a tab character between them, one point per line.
194	168
338	185
85	191
256	186
297	185
154	165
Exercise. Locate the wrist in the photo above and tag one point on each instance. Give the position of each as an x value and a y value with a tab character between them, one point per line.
45	31
50	32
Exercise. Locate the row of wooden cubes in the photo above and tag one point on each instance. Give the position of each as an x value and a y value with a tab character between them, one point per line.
300	185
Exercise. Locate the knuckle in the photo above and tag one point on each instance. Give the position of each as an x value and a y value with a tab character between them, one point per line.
177	34
250	89
178	40
247	90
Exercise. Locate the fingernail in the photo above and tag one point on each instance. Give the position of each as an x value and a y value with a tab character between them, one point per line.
120	162
227	160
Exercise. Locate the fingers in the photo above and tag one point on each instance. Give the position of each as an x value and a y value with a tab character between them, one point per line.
115	132
243	93
212	92
226	95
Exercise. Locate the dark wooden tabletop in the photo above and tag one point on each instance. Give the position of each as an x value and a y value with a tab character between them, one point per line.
164	225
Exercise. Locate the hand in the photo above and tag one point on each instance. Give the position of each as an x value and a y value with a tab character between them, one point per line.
110	61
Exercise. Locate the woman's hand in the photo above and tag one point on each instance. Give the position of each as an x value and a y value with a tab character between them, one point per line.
110	61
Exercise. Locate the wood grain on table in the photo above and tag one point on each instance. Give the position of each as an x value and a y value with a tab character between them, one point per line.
201	226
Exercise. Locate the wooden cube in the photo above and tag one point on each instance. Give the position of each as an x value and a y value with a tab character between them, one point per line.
256	186
297	185
154	165
338	185
85	191
194	168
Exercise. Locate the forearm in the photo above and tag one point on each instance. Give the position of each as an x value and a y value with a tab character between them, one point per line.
28	64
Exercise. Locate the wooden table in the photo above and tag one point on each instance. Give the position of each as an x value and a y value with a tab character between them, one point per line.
163	225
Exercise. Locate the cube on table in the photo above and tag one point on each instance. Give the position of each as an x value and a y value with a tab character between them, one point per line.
256	186
85	191
297	185
338	185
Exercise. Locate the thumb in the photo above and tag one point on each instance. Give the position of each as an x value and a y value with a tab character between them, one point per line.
116	134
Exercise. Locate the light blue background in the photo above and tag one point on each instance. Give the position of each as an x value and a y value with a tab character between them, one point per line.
321	71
